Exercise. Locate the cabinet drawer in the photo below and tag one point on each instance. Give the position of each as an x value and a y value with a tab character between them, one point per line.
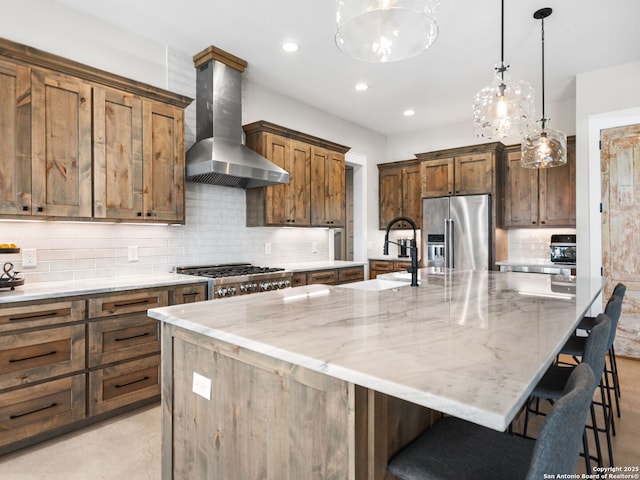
36	409
188	294
401	266
117	339
327	277
123	384
46	314
127	303
32	356
381	266
355	274
299	279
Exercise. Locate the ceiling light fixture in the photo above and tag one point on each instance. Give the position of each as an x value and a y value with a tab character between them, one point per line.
290	46
505	107
409	112
361	87
385	30
543	147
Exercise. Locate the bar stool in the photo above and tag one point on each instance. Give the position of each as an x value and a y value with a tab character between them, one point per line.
455	449
552	384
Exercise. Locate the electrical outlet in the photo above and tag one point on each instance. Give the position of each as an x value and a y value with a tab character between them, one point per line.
29	258
314	247
201	385
132	254
267	249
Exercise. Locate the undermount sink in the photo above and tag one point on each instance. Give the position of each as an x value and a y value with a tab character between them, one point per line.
374	285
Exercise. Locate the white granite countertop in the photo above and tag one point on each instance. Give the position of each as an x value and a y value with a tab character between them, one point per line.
533	262
50	290
320	265
470	344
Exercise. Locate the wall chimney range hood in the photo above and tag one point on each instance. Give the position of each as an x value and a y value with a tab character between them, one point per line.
219	157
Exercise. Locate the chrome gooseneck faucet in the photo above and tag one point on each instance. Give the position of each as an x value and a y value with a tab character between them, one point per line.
413	269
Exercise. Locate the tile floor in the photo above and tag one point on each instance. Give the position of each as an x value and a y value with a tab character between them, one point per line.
128	447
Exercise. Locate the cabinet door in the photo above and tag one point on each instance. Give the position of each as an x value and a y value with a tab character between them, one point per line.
188	294
473	174
328	200
15	132
326	277
558	192
297	202
163	162
61	145
377	267
277	150
521	193
117	152
390	195
411	194
437	177
352	274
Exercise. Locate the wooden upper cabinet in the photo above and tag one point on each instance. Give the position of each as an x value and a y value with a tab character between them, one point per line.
540	197
15	132
60	145
163	161
328	202
117	152
315	194
399	193
81	143
437	178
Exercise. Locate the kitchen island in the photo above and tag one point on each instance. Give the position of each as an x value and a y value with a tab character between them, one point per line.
329	382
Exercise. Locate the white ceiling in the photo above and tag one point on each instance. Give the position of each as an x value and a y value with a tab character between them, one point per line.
439	84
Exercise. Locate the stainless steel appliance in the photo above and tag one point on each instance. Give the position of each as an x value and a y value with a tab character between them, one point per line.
563	249
404	247
456	232
231	279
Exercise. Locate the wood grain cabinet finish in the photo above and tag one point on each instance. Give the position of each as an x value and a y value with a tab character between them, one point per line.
315	195
400	193
188	294
540	197
349	275
40	315
44	407
81	143
377	267
329	276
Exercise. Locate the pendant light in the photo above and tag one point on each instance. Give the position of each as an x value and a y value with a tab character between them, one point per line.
543	147
505	107
385	30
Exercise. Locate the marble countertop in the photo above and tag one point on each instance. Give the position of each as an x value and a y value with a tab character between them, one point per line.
470	344
532	262
48	290
321	265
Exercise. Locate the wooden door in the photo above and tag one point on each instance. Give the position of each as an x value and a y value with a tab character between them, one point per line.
473	174
558	192
276	149
411	194
15	132
298	200
437	177
163	162
521	193
61	145
390	194
117	151
620	165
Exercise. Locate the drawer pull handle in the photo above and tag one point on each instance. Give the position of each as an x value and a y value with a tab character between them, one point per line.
19	415
22	318
122	385
134	302
31	358
192	294
324	277
146	334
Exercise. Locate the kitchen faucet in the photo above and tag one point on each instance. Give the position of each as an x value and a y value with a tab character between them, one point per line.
413	269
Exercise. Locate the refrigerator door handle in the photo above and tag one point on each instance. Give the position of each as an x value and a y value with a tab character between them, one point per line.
446	242
452	261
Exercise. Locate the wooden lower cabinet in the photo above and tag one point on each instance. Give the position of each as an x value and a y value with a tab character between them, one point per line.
330	276
124	384
377	267
38	409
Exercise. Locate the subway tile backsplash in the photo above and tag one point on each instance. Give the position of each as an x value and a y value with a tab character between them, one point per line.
533	243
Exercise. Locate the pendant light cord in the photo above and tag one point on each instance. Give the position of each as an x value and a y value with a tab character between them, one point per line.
544	118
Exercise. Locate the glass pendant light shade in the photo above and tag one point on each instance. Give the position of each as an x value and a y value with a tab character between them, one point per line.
504	108
543	148
385	30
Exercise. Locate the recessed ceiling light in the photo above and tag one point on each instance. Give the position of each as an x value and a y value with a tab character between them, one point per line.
409	112
361	87
290	46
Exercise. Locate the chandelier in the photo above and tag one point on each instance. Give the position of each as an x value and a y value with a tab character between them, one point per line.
385	30
505	107
543	147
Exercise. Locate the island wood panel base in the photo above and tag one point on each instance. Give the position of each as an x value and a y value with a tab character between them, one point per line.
270	419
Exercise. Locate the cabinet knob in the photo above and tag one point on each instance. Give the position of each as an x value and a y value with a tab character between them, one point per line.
542	222
40	209
533	222
139	214
24	208
148	214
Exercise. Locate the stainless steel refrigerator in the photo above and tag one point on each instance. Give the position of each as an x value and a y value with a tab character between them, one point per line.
456	232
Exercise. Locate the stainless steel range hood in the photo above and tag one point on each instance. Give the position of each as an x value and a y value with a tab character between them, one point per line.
219	157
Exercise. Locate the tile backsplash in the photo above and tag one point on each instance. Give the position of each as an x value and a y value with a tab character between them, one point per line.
533	243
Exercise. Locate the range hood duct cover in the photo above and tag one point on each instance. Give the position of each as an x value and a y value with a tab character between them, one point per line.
219	157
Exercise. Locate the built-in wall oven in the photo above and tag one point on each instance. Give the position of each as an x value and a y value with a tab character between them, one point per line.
563	249
232	279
